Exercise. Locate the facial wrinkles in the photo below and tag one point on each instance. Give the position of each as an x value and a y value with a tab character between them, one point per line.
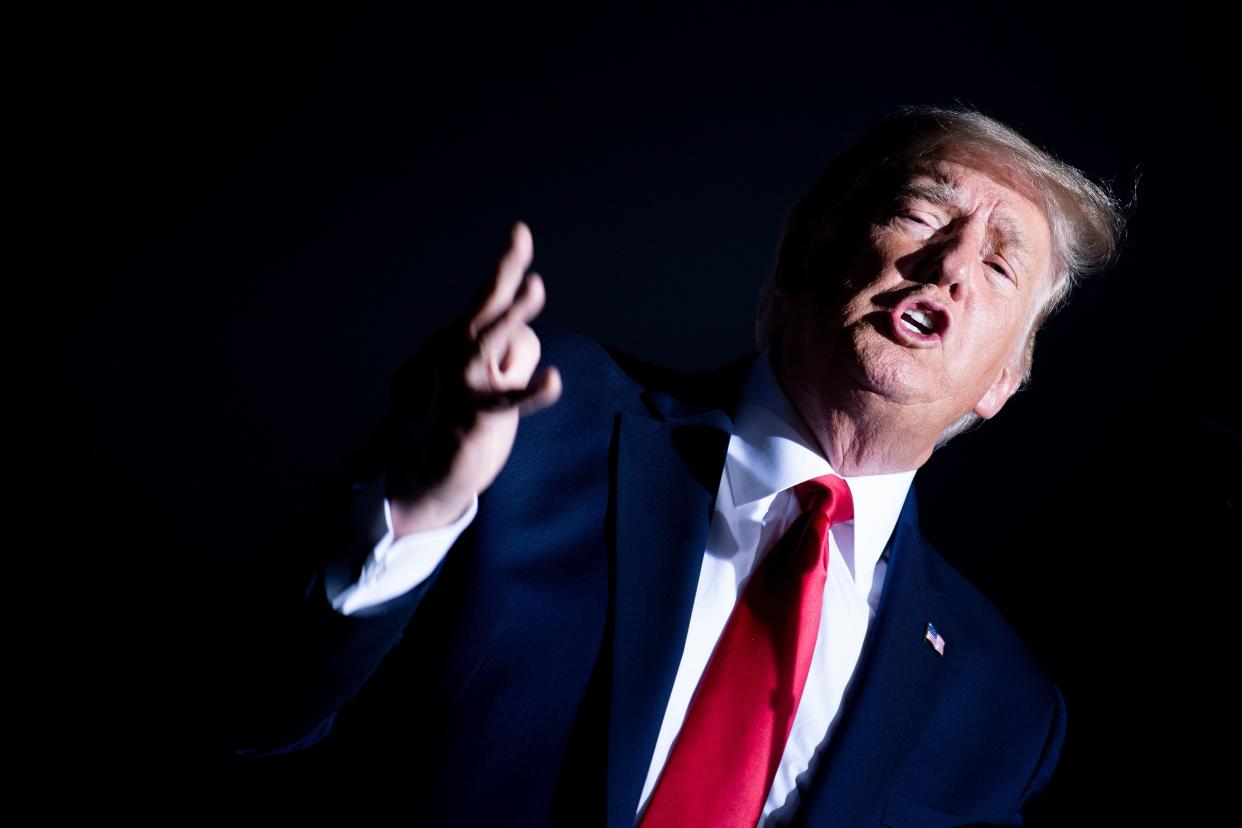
981	221
970	250
945	195
1006	235
986	216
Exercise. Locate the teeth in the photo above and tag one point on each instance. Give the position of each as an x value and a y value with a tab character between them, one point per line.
917	321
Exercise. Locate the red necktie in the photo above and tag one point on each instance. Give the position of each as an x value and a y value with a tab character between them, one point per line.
725	756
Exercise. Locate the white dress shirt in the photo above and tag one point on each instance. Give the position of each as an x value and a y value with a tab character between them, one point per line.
770	451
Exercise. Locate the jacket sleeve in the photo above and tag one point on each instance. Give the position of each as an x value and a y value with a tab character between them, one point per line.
395	566
277	659
1049	757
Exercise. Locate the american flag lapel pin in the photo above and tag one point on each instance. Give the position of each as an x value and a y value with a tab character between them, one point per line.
934	638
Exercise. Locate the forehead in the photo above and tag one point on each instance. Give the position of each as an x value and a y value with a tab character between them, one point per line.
1016	220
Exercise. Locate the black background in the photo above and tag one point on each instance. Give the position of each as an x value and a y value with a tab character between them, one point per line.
232	225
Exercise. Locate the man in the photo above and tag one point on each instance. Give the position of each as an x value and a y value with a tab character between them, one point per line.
700	599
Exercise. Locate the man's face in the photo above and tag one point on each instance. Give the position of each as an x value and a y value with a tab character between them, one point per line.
946	269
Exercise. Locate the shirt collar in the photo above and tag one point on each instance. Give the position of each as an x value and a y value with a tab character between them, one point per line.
772	449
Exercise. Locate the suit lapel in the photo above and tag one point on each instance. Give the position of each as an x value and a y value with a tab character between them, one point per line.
667	473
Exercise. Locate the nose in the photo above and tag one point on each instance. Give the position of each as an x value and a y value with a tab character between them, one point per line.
954	255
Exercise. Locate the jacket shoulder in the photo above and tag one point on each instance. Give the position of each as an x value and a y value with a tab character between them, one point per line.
597	374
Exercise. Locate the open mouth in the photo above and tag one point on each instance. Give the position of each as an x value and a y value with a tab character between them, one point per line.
919	321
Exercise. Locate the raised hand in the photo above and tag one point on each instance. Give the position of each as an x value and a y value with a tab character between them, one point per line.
483	385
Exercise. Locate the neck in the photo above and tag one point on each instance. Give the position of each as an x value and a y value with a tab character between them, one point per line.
858	431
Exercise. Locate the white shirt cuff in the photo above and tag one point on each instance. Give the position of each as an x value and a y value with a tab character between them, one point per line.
394	567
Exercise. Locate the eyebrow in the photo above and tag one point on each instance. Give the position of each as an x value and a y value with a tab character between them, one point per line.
936	188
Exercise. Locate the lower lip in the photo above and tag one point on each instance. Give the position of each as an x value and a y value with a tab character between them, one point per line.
915	339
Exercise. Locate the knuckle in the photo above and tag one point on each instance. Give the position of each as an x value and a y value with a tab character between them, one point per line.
526	343
468	373
491	339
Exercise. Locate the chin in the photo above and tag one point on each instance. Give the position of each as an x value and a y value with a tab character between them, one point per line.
892	371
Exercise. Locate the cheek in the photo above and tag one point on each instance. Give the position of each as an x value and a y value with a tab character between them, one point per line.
868	264
863	278
997	334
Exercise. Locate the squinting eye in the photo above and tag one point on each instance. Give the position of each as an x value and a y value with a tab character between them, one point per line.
997	267
913	217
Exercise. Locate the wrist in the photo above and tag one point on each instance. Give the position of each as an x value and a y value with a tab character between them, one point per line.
429	512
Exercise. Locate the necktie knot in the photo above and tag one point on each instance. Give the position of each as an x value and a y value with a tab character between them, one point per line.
828	493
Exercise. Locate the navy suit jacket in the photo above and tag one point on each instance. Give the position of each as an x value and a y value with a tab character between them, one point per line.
525	681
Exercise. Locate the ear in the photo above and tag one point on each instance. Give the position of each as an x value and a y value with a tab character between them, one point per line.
994	399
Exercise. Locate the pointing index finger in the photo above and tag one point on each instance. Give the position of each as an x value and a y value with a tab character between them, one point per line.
508	276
